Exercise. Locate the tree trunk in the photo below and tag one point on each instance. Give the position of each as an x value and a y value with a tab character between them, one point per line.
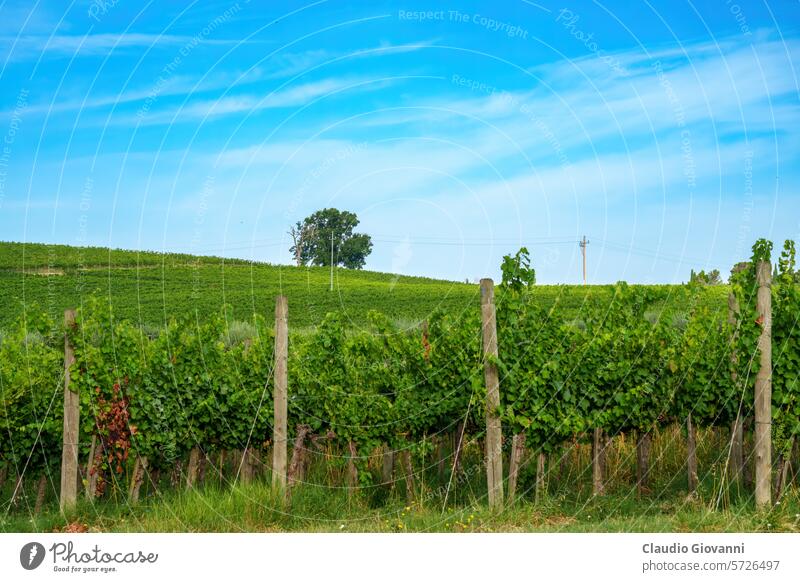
139	471
408	469
691	455
540	460
598	463
517	452
41	490
643	445
297	464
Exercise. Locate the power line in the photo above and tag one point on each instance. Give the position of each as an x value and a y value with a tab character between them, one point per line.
435	241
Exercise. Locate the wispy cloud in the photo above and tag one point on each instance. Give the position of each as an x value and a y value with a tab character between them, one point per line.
27	46
288	97
279	66
574	107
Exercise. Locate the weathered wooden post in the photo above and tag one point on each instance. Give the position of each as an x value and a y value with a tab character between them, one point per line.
193	467
763	392
279	434
139	472
69	451
494	452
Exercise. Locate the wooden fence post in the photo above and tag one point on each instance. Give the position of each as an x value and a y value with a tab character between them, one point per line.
494	451
139	472
763	392
69	451
193	467
279	396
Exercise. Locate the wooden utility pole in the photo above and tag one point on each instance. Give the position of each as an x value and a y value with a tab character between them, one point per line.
69	451
279	397
494	452
763	392
583	244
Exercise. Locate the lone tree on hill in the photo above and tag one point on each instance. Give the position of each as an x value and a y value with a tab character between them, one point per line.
327	236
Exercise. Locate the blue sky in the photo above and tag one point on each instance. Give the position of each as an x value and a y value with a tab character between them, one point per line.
663	131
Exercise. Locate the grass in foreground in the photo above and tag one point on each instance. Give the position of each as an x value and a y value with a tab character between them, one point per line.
254	508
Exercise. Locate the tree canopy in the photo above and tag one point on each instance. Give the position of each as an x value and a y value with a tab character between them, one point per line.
327	236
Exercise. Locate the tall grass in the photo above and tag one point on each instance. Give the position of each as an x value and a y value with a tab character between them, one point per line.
323	503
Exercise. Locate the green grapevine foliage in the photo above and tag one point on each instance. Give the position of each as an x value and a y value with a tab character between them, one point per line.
621	359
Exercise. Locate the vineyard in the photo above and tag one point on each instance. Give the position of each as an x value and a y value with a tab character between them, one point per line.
497	400
150	288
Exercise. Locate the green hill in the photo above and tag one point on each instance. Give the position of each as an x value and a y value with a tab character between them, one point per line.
151	287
